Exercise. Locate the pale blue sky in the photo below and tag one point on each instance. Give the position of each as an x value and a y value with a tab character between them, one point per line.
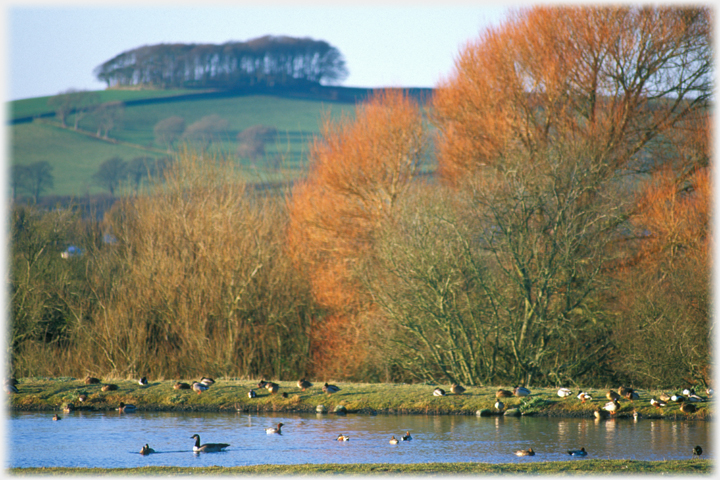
51	48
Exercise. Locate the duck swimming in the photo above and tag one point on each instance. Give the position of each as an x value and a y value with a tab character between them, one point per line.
125	408
208	447
578	453
277	429
523	453
406	437
146	450
393	440
56	417
343	438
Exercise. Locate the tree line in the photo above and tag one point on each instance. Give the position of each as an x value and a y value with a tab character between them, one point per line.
268	60
565	241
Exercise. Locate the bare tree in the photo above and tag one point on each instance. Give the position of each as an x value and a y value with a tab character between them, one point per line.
39	178
107	116
167	131
110	173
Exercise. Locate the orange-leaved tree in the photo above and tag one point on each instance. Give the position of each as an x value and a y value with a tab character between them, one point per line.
545	127
664	282
612	78
359	168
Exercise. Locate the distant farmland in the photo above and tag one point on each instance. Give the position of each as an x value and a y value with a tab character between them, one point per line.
36	135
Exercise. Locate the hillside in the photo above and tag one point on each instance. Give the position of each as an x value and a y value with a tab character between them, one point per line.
35	134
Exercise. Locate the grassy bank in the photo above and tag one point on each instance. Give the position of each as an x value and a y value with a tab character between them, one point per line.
44	394
583	466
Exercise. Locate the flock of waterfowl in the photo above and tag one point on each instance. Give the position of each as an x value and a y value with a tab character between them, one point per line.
687	401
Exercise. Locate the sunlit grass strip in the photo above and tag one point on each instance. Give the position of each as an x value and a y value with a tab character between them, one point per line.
579	466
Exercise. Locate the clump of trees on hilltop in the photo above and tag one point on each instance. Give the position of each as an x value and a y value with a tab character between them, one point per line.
268	60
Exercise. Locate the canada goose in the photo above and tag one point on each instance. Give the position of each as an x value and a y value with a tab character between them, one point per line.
564	392
393	440
612	395
503	393
523	453
688	408
499	405
146	450
274	430
584	397
521	392
143	382
657	403
208	447
612	407
207	381
406	437
272	387
90	380
199	387
330	389
697	451
578	453
252	394
304	384
457	389
343	438
125	408
56	417
109	387
439	392
182	386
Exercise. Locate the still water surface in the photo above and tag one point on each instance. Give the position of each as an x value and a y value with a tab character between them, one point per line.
111	439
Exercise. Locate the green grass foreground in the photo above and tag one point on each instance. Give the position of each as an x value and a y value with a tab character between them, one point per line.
51	394
551	468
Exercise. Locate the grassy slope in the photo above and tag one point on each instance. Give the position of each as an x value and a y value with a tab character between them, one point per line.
75	157
676	467
37	106
51	394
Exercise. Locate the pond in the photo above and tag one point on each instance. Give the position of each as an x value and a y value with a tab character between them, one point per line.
112	439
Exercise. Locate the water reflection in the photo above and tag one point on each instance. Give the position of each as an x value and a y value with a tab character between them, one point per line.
88	439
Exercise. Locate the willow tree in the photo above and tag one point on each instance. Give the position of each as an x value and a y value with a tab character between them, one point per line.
359	169
544	125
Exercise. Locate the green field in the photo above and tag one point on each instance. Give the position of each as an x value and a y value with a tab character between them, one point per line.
75	156
30	107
